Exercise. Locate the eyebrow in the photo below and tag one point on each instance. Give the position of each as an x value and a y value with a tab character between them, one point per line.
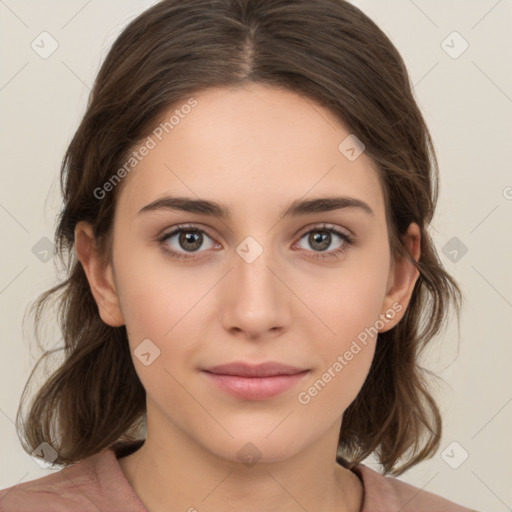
295	208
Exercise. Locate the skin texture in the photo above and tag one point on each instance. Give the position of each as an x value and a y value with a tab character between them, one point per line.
255	149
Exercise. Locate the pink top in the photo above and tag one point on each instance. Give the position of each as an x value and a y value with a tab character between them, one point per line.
98	483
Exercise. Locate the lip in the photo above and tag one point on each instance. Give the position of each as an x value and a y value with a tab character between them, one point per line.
255	382
242	369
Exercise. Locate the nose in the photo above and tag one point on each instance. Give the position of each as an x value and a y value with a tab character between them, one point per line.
254	297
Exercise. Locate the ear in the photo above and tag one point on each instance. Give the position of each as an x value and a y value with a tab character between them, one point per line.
402	278
99	274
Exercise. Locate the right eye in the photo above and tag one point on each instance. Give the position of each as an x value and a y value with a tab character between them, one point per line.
184	241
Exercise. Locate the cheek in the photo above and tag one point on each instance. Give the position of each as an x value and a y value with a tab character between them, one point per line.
159	304
351	301
349	308
153	295
344	357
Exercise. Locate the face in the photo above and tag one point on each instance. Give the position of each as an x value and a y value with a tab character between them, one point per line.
196	289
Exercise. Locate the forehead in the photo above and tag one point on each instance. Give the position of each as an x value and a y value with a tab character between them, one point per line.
250	147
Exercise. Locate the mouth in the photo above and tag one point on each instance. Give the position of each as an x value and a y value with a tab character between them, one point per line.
255	382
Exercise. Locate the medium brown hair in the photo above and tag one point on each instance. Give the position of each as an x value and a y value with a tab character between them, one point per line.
329	52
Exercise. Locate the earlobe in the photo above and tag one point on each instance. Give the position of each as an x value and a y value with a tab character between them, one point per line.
99	274
403	277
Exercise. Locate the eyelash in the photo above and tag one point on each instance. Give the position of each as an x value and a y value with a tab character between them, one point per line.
347	239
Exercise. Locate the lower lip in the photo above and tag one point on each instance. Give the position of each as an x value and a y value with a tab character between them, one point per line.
255	388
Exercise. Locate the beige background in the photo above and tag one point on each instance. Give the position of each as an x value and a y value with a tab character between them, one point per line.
467	102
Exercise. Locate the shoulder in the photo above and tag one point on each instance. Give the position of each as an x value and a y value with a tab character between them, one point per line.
96	483
57	491
393	494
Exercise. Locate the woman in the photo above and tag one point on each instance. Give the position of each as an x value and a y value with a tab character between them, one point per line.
246	204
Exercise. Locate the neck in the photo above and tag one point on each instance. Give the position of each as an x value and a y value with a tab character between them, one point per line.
175	474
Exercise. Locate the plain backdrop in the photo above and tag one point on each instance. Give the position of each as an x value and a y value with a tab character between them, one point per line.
459	58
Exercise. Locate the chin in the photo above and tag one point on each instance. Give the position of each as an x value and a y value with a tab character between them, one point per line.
257	447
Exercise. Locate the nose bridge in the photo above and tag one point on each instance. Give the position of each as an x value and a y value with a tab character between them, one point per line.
256	299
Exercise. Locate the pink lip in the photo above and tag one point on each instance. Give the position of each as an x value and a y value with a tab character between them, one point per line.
255	382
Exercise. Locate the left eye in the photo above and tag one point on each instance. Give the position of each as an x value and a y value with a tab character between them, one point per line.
320	238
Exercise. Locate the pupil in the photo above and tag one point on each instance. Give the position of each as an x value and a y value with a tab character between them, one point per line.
189	237
321	236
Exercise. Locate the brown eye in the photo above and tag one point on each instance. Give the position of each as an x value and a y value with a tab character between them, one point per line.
186	239
190	240
321	238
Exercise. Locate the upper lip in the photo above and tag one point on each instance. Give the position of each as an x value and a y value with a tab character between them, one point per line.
242	369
